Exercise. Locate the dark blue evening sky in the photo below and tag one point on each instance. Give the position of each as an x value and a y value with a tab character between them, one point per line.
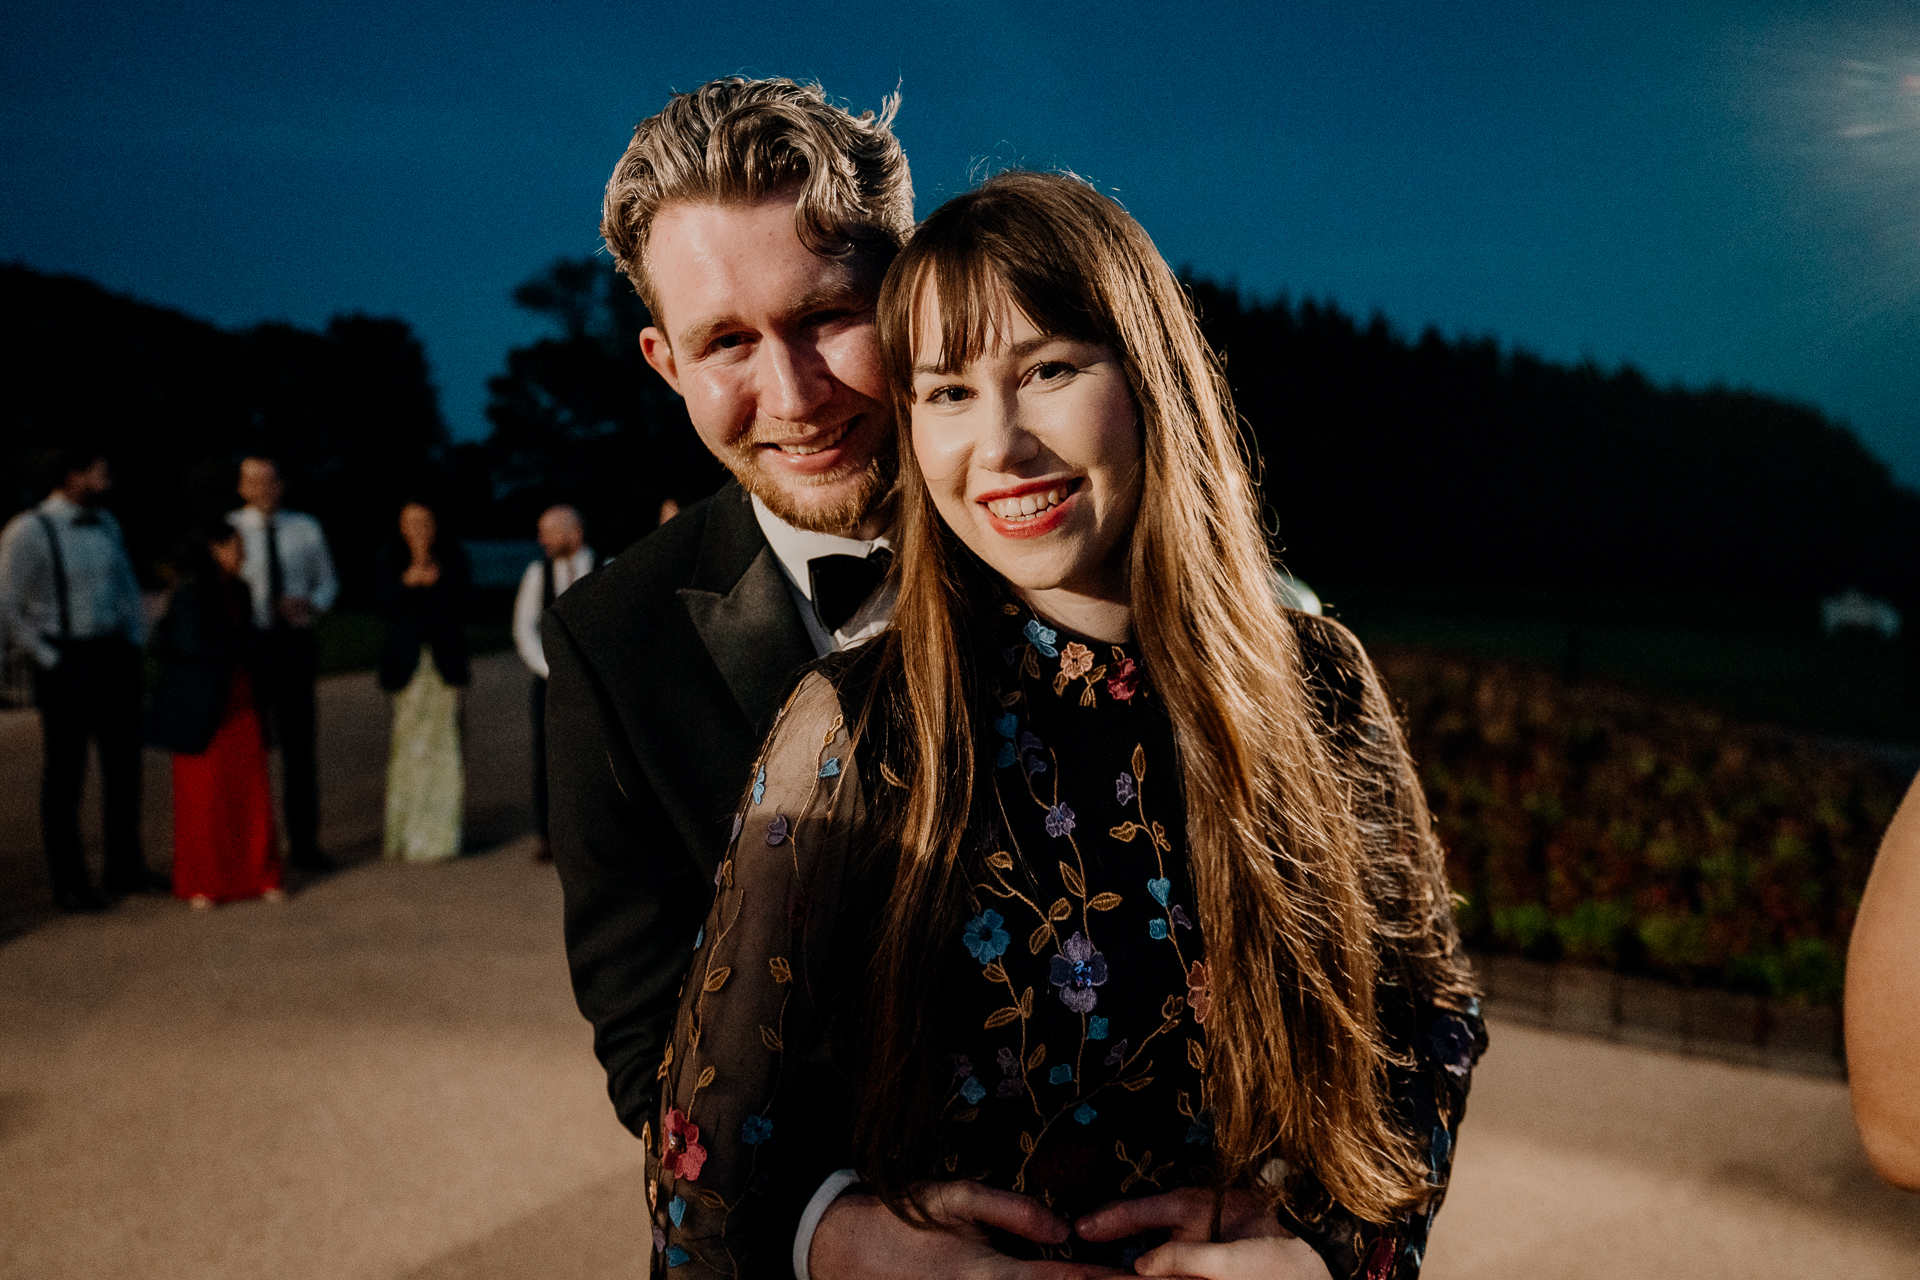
1712	191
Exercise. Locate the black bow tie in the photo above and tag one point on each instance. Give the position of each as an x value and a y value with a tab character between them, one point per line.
841	584
86	519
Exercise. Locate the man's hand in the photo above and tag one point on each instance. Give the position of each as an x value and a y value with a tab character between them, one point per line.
1256	1246
859	1238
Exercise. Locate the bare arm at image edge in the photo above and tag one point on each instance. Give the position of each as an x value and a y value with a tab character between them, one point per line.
1883	991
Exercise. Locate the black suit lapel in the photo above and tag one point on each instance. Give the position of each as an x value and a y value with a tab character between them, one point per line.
740	605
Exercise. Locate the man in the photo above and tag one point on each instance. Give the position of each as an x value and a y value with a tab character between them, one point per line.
568	559
70	599
760	271
290	575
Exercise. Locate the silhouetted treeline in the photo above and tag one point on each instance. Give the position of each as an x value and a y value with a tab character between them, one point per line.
1436	463
579	417
350	413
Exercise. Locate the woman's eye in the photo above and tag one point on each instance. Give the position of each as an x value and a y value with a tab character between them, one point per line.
945	395
1052	371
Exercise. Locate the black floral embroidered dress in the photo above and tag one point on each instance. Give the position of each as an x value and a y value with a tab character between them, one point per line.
1075	993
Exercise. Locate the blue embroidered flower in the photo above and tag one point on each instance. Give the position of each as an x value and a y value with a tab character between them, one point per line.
1452	1044
972	1090
755	1130
1059	821
699	937
1077	972
831	768
1440	1152
1124	790
1042	637
1008	725
1160	889
676	1256
1009	755
1084	1113
986	940
677	1210
1096	1028
777	830
1473	1007
760	785
1198	1133
1157	929
1062	1073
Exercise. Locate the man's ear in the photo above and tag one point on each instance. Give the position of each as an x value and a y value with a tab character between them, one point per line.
653	345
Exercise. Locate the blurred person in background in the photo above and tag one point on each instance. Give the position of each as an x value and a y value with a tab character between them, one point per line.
568	559
1883	1003
205	711
68	596
420	583
290	576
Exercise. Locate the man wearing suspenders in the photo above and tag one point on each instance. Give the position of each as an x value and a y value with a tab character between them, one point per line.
568	559
69	598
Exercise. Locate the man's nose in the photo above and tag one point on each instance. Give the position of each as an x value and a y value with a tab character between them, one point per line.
794	381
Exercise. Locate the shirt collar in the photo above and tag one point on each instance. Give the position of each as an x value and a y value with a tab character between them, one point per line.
59	504
795	547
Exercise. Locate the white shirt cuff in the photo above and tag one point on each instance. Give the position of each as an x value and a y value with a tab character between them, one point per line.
829	1191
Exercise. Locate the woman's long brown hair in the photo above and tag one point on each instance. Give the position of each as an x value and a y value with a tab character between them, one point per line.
1304	892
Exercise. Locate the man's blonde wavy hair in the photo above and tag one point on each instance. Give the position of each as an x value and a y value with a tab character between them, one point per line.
739	141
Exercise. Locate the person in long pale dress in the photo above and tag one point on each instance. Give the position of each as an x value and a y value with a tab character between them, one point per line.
204	711
422	584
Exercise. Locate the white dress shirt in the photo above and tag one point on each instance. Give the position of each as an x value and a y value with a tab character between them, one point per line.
530	603
794	547
103	596
306	570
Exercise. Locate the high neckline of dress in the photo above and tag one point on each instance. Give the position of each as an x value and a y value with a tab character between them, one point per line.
1041	650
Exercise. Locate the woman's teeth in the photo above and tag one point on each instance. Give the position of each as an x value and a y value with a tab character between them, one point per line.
1028	504
815	446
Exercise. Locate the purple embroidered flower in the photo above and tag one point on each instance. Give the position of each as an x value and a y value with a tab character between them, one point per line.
1077	973
1030	748
962	1065
1059	821
777	830
986	940
1117	1054
1009	1062
659	1240
1123	789
739	820
1041	637
1180	917
1452	1044
1011	1088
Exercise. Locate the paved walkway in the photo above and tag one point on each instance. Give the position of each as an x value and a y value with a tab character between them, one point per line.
385	1078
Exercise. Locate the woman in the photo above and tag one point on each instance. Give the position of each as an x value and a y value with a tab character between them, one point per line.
421	583
203	710
1101	878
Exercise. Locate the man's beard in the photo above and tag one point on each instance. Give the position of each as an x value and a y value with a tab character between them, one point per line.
842	517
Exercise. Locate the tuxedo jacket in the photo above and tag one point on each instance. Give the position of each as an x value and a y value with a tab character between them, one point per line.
667	668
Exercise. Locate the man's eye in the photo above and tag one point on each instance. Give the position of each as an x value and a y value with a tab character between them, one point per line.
727	342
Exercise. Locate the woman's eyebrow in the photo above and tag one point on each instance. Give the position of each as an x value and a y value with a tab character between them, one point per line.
1017	351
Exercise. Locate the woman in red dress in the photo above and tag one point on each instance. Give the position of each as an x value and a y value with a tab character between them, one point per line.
204	712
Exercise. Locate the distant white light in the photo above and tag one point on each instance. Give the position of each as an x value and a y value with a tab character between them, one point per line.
1855	610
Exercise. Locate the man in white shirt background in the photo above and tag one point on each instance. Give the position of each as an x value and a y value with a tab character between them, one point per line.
568	559
290	575
68	596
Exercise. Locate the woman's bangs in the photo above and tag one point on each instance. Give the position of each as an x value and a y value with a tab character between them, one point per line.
979	292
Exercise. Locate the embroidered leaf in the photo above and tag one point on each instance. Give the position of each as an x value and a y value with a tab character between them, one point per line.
1061	909
1000	860
1026	1142
1096	675
1001	1017
1126	1183
1011	609
1171	1024
726	873
1183	1104
706	1078
1009	699
1029	664
953	1162
1038	1056
661	1074
1196	1056
1172	1005
995	972
1086	696
971	1113
1074	884
669	1061
1020	1182
1039	938
712	1199
1105	901
1125	832
1026	1003
717	979
1136	1084
1060	683
778	967
1140	762
771	1038
1160	838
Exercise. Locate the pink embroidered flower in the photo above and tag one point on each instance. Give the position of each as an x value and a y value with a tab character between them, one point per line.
1380	1258
684	1156
1125	680
1197	998
1075	660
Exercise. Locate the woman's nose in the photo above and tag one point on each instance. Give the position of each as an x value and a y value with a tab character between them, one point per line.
1006	442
